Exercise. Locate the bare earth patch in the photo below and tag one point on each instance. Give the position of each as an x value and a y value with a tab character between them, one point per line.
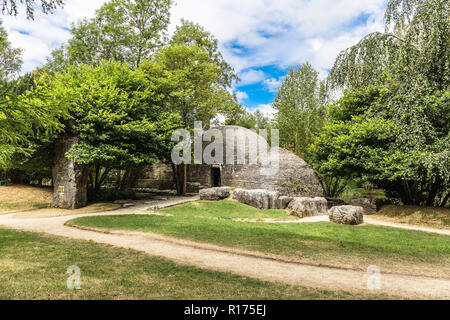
16	198
53	212
414	215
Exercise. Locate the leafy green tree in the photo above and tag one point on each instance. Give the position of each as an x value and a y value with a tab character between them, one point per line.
124	31
194	82
36	163
363	140
189	34
414	52
22	118
414	49
190	82
299	104
117	115
10	58
250	120
10	6
20	121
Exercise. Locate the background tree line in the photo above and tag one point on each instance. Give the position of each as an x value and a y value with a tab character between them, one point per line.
121	85
389	126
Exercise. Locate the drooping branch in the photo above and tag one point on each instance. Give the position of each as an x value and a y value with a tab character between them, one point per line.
10	7
413	48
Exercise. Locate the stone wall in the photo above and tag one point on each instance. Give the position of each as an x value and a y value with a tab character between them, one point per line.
158	176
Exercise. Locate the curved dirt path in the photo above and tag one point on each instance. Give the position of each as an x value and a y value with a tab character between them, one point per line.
369	220
221	259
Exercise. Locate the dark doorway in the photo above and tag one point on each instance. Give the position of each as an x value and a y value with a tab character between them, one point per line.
216	179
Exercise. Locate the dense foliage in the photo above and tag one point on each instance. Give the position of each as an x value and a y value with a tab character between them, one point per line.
413	49
365	137
116	112
124	31
251	120
391	127
300	108
191	83
20	120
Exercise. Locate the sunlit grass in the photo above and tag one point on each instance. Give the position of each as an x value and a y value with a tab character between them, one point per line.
394	250
33	266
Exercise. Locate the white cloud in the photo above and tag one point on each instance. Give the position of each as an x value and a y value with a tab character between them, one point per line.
241	95
251	76
272	84
265	109
285	32
40	36
251	33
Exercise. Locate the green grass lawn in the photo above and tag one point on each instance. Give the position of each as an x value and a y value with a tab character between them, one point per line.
394	250
33	266
226	210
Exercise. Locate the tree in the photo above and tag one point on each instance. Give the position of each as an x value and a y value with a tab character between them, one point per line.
116	116
36	163
250	120
189	34
10	6
22	118
195	81
410	60
124	31
414	49
299	105
10	58
190	85
361	140
20	121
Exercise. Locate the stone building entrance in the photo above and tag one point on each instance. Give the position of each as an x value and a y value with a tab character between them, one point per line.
216	177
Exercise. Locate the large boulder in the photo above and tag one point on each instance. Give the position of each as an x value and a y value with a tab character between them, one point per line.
308	207
334	202
350	215
370	205
261	199
214	194
283	202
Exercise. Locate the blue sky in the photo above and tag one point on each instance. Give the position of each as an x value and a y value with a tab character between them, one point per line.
263	89
261	39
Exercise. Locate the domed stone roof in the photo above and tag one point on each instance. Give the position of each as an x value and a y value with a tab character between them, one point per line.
283	171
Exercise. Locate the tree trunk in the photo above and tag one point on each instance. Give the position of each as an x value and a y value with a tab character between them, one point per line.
70	179
180	177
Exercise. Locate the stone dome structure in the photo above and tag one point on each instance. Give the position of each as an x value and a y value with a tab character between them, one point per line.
276	169
283	171
286	173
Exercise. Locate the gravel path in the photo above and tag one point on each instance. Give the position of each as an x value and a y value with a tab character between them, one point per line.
368	220
226	260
